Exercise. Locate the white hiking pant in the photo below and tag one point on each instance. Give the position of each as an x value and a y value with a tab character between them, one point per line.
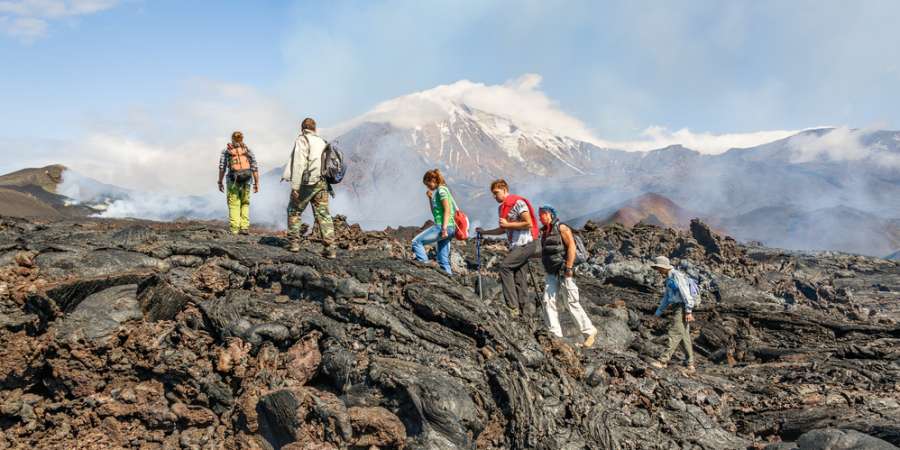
570	293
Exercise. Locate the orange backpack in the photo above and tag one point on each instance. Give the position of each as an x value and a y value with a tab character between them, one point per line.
239	159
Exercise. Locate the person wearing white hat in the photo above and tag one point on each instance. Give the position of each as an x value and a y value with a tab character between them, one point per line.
678	293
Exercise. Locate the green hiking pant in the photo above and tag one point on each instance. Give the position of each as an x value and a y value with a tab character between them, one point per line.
317	194
679	333
238	206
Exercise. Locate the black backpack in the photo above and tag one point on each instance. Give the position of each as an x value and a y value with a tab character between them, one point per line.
581	253
333	166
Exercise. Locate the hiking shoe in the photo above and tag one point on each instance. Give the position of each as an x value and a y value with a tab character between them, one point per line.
295	247
329	253
245	232
589	340
690	368
658	364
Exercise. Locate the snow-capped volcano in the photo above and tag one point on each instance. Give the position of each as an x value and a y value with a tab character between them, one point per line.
470	141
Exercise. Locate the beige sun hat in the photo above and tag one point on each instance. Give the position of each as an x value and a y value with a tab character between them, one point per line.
662	262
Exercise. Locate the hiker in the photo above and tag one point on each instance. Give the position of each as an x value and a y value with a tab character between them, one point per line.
240	164
443	208
558	252
677	293
303	171
518	221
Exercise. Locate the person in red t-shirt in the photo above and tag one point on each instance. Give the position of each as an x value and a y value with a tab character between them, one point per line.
518	222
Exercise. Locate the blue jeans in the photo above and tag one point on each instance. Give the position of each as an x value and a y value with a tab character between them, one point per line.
430	236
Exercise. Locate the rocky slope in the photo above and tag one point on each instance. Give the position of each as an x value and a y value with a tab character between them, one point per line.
123	334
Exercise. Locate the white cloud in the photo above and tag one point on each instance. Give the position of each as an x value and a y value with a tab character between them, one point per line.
709	143
25	29
28	20
840	144
176	148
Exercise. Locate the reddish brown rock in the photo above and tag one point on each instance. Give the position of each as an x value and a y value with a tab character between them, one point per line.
376	426
304	358
195	416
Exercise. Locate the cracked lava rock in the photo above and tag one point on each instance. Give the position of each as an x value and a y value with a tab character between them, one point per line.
130	334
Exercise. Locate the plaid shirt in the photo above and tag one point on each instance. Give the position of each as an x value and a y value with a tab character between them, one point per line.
226	158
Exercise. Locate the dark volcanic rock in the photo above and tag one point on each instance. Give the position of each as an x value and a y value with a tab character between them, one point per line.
100	314
833	439
141	335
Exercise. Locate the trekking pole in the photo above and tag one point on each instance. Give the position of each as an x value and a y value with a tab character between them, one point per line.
478	239
537	289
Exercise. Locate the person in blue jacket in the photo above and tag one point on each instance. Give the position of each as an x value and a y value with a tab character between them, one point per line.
677	294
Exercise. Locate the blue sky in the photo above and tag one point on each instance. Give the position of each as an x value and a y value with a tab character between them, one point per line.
83	70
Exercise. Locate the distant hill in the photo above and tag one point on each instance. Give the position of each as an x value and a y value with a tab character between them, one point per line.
18	204
46	178
33	193
649	208
838	228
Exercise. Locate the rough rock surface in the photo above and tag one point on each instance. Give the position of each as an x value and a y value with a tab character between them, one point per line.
123	334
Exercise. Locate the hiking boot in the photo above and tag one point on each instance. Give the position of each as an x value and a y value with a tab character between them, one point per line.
329	253
589	340
658	364
294	247
690	368
245	232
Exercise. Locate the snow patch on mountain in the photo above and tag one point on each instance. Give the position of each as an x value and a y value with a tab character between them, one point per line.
519	101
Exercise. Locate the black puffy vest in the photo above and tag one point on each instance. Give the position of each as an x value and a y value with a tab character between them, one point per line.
553	250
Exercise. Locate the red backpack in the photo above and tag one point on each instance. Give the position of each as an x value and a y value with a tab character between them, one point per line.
461	220
462	225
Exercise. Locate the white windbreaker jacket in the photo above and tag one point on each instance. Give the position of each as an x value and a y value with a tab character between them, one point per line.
307	160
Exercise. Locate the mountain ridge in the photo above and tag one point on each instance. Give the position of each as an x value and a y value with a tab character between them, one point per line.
818	168
389	149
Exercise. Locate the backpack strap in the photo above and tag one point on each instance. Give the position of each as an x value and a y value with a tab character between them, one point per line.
293	152
308	151
452	198
558	227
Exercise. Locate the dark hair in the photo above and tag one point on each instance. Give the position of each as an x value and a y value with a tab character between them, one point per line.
501	183
435	176
308	124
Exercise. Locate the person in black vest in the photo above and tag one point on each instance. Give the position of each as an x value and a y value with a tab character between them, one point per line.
558	253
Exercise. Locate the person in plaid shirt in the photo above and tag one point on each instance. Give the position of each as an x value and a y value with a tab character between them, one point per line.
239	163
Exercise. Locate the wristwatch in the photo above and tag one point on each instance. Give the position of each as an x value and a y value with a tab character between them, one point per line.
568	270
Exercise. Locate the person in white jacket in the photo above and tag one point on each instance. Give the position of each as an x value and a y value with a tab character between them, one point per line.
304	172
